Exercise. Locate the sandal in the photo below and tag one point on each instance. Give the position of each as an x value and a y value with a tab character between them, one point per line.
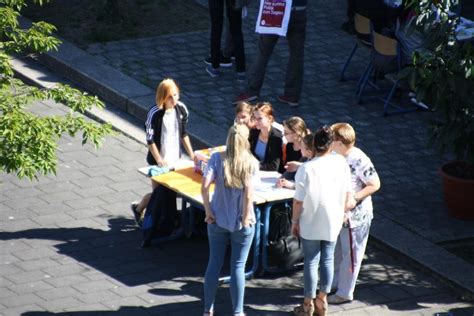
321	307
304	310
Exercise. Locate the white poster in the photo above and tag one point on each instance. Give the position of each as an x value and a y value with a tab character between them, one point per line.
273	17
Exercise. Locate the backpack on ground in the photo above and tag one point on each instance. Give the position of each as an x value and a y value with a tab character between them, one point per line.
161	214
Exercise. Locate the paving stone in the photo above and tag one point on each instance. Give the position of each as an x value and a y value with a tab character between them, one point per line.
94	191
60	304
85	213
63	270
31	287
97	297
48	220
17	301
58	292
94	286
24	202
5	292
57	187
25	277
93	230
20	310
99	161
85	202
127	301
66	280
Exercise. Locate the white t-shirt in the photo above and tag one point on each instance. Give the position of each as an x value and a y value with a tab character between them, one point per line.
322	184
170	147
362	171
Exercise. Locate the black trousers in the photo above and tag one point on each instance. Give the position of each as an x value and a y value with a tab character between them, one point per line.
216	12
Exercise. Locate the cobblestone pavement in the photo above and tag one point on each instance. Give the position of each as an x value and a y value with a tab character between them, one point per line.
408	166
69	246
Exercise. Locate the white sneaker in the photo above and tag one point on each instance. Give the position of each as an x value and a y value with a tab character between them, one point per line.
334	299
419	104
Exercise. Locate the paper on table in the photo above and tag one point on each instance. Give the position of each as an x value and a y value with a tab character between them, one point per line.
266	187
267	180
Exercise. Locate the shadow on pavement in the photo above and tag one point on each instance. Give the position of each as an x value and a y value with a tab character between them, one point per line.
116	252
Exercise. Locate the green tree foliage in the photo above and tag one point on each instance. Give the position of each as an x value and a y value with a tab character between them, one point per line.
443	77
28	142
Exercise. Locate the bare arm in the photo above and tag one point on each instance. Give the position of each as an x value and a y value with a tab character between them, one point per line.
205	185
187	146
248	203
292	166
350	202
295	218
370	188
156	154
284	183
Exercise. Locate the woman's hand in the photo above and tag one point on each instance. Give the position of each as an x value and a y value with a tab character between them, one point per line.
209	218
246	222
347	216
351	202
292	166
295	229
279	183
162	163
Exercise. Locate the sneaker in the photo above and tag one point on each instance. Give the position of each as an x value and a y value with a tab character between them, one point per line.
244	97
213	72
335	300
304	310
292	101
223	61
419	103
136	214
241	76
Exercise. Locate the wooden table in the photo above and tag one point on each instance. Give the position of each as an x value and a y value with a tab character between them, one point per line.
187	185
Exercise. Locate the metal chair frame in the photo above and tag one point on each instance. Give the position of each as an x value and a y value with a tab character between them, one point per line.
362	26
388	47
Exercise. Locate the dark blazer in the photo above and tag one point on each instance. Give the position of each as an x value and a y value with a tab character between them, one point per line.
273	152
289	154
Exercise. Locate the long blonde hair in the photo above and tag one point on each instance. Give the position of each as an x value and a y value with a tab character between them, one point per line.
164	90
239	163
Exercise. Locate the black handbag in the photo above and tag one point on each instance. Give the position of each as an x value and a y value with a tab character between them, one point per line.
284	250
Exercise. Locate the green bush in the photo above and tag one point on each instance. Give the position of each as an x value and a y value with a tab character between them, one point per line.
443	77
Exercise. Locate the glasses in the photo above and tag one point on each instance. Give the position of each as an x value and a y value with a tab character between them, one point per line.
288	133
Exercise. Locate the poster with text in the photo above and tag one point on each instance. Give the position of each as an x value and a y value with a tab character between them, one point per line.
273	17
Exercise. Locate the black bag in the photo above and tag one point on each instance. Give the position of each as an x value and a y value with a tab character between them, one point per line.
284	250
161	214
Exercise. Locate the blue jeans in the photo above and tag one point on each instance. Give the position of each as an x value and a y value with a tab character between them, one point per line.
314	250
240	242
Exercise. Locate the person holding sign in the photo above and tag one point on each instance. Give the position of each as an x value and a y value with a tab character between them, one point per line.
279	18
